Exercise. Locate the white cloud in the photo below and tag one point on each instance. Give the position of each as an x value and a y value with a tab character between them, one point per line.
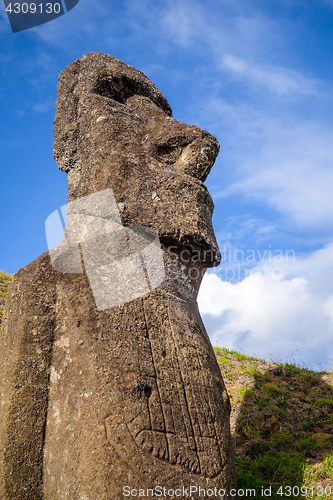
281	80
293	172
276	318
43	107
180	24
316	267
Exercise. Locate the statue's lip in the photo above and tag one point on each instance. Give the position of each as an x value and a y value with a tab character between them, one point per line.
196	181
202	186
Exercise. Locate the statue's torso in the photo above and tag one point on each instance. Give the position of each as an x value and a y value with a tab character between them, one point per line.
134	395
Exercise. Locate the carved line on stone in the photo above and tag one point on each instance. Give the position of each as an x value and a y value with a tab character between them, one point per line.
157	385
47	402
210	406
183	384
146	273
188	392
202	413
127	240
111	437
187	420
183	404
160	449
197	400
189	427
144	465
151	433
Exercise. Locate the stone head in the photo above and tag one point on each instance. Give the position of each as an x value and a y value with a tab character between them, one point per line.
114	129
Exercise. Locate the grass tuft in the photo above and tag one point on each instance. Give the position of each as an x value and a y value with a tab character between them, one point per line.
5	279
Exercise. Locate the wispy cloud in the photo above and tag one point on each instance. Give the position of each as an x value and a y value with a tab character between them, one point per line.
43	107
181	25
85	23
245	228
276	157
237	43
292	171
281	80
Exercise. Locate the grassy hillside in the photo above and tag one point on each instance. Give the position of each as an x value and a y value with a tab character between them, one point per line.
282	423
4	282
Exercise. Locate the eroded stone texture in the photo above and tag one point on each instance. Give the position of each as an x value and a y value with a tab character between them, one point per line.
92	400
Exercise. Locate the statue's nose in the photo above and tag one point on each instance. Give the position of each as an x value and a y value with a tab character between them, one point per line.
198	156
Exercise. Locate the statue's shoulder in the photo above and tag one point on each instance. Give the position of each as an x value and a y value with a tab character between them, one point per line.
37	272
33	288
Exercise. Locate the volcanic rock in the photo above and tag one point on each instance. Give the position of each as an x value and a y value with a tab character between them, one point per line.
95	396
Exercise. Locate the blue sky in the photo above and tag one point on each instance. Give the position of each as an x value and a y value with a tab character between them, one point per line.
258	75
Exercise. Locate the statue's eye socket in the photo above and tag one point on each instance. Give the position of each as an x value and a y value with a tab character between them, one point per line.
171	150
166	152
120	89
105	88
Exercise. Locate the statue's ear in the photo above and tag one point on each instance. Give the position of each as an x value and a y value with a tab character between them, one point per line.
66	127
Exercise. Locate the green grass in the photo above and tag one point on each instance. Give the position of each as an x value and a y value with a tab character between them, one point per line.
271	388
233	354
321	474
251	370
5	279
223	359
325	402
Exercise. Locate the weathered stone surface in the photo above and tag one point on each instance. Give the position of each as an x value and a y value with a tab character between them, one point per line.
95	400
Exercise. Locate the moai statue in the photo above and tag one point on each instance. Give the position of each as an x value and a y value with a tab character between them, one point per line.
109	383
